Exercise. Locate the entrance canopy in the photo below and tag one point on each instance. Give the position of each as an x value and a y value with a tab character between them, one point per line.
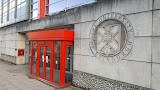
61	34
52	56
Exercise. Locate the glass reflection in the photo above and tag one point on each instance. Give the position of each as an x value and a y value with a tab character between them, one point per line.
34	57
48	58
56	7
41	66
12	11
60	5
34	9
56	69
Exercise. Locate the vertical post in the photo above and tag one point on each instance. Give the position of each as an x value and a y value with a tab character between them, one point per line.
42	9
62	63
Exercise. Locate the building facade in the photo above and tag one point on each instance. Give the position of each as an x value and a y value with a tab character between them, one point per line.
116	42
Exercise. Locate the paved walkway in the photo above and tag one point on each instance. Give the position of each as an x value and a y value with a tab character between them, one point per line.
14	77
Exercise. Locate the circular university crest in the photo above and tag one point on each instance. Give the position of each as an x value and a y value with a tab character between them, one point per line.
111	37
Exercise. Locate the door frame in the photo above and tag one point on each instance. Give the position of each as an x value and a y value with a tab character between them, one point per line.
64	44
63	62
44	44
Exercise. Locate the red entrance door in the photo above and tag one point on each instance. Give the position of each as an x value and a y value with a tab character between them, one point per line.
52	56
45	59
66	61
52	61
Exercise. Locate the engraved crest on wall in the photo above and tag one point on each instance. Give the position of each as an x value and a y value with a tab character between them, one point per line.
111	37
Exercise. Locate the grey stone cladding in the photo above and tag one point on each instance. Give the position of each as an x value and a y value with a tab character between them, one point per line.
92	82
9	58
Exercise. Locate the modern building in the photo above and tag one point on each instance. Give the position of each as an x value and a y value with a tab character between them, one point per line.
91	44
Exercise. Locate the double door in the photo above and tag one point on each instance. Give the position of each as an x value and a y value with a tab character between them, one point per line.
52	61
45	59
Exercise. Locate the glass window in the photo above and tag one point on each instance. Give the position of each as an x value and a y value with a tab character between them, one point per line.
18	2
4	13
0	6
4	17
73	3
12	9
34	14
54	1
5	1
11	15
5	8
0	18
0	3
33	1
0	11
21	9
23	4
34	6
34	9
56	7
12	4
18	13
23	1
8	14
60	5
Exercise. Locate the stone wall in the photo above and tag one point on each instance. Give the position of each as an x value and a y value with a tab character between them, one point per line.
11	41
141	66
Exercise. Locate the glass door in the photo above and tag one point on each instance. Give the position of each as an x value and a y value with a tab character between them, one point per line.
56	68
69	62
33	58
63	63
41	62
45	55
48	61
53	61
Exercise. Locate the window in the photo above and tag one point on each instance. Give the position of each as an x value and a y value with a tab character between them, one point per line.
21	9
0	12
34	9
56	6
74	3
11	10
5	7
60	5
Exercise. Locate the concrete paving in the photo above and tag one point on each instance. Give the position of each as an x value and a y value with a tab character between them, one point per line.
15	77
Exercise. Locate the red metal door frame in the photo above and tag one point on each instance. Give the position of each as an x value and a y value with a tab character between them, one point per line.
50	44
31	59
66	37
45	44
63	62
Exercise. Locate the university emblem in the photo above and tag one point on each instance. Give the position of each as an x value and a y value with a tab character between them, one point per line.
111	37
